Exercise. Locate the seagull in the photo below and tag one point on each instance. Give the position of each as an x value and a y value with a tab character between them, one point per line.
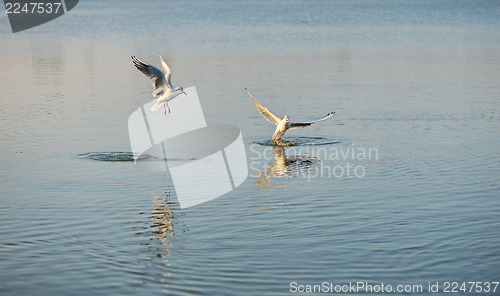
161	82
282	125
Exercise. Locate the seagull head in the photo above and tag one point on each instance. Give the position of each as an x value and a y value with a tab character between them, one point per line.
286	121
180	88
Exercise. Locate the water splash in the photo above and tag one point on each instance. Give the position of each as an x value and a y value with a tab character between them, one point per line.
298	141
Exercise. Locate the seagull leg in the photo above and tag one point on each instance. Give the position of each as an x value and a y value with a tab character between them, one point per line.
165	106
277	138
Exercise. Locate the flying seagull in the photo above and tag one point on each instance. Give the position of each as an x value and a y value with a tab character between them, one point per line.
282	125
161	82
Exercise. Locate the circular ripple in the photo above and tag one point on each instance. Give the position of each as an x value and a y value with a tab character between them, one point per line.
298	141
109	156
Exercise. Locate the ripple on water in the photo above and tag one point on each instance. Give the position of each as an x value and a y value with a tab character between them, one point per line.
111	156
298	141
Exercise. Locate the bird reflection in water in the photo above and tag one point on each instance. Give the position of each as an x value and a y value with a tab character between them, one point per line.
157	232
284	165
162	217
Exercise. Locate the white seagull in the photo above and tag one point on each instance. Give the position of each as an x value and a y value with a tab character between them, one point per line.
282	125
161	82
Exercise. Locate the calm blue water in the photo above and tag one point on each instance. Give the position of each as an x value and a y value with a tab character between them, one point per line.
417	82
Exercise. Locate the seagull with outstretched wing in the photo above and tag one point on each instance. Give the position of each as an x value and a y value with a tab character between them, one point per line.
282	125
161	81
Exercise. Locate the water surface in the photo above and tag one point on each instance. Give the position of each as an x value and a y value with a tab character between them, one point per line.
415	81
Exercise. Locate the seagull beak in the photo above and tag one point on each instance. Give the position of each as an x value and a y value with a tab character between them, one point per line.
184	93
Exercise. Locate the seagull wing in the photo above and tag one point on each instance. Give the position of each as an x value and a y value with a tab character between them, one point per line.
264	111
155	75
294	125
167	71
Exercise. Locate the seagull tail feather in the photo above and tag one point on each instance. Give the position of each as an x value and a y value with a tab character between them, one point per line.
156	106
